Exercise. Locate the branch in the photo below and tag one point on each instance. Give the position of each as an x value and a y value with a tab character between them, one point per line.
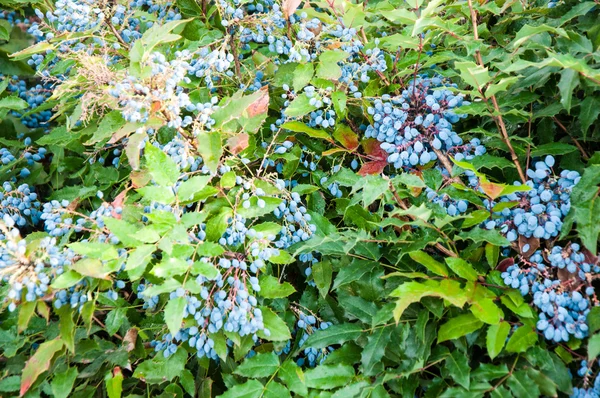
498	117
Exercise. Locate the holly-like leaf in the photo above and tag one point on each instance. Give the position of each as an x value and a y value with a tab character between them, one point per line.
260	365
39	363
496	338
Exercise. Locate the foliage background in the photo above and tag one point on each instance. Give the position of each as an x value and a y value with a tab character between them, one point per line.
413	295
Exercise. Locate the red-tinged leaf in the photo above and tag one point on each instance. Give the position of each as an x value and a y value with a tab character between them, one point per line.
375	167
118	202
261	104
346	137
372	147
238	143
289	7
491	189
39	363
504	264
333	150
534	244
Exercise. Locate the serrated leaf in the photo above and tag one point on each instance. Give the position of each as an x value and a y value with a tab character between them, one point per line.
496	338
174	314
163	169
277	327
260	365
458	367
523	338
327	377
271	288
458	326
462	268
293	377
375	349
334	334
250	389
429	262
39	363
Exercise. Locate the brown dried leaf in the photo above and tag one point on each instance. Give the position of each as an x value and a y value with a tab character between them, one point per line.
534	244
238	143
130	339
261	105
504	264
289	7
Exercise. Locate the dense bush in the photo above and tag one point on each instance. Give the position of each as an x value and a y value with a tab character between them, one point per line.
324	199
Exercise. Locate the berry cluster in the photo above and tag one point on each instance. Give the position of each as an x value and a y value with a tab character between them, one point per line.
562	290
539	211
415	126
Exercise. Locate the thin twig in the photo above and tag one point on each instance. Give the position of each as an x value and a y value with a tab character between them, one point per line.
577	144
498	117
123	42
403	205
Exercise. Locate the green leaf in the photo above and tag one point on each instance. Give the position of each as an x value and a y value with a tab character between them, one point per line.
62	383
188	189
322	274
528	31
569	80
109	125
39	363
271	288
13	103
496	338
299	127
67	328
189	7
413	292
546	385
92	268
293	377
458	368
115	319
593	320
250	389
138	260
335	334
303	74
327	67
100	251
462	268
10	384
211	149
375	349
589	109
260	365
357	307
66	280
339	100
458	326
522	386
523	338
114	384
174	314
277	327
276	390
160	369
300	106
160	194
326	377
429	262
473	74
164	170
479	235
593	347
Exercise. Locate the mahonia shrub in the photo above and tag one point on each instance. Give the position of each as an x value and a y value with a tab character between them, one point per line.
272	198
